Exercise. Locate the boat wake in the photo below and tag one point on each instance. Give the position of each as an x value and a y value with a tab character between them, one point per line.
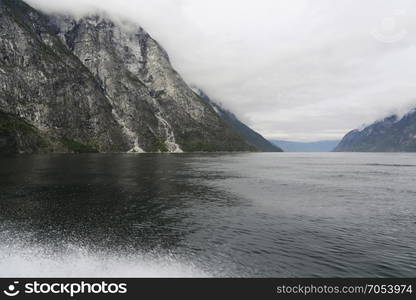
20	260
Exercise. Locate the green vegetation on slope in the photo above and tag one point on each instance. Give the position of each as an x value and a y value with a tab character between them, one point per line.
18	136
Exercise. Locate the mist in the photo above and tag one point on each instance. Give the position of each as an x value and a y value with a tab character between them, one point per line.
298	70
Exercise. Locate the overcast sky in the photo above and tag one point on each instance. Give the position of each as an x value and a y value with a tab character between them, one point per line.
301	70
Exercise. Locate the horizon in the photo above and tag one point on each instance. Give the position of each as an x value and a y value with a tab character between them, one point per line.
128	149
300	71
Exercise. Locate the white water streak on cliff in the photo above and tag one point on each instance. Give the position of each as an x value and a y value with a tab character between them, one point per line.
132	136
170	142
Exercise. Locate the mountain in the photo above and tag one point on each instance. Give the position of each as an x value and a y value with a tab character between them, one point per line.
393	134
320	146
16	133
249	135
97	85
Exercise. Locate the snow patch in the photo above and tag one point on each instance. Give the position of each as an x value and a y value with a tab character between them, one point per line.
216	110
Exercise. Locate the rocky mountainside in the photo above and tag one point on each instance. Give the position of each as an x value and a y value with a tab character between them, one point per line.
250	136
95	84
16	133
389	135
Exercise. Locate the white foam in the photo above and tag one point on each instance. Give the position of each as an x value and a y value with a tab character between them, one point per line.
17	261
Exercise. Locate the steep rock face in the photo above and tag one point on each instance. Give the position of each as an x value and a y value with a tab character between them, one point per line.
42	82
100	85
18	136
390	135
98	43
148	95
249	135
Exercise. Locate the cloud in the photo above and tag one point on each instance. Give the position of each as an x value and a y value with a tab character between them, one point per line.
300	70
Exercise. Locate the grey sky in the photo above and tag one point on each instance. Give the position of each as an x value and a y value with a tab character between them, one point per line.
292	69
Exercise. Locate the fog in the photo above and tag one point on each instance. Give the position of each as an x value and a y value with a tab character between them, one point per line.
300	70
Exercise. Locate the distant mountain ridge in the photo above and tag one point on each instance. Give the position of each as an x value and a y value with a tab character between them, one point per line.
252	137
93	84
393	134
319	146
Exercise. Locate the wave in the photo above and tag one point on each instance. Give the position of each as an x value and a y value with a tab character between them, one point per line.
17	261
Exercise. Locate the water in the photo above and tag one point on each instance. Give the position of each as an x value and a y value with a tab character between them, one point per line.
202	215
